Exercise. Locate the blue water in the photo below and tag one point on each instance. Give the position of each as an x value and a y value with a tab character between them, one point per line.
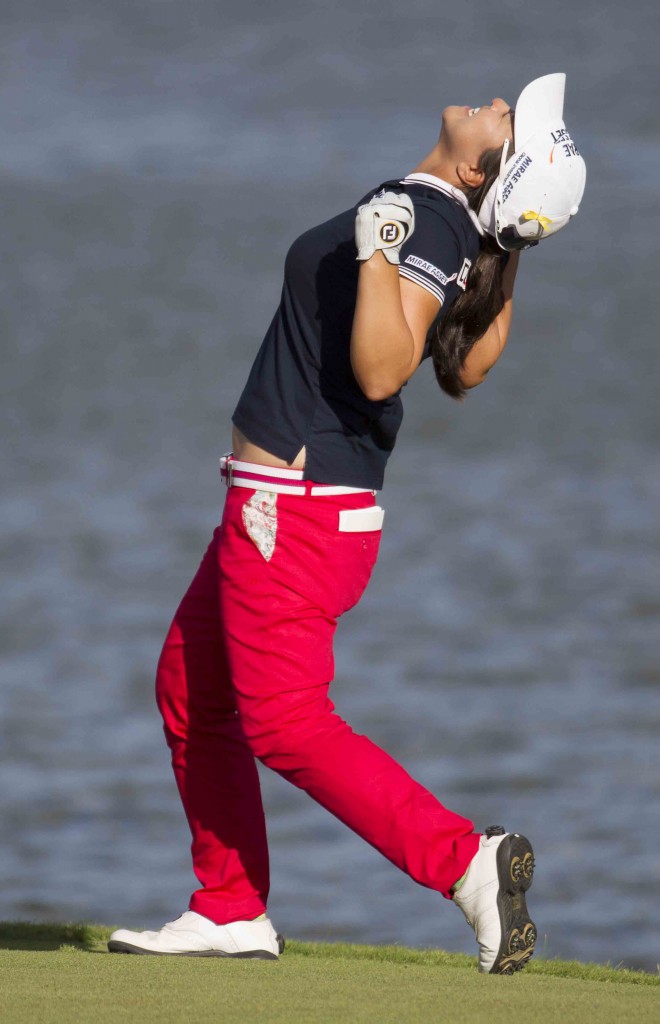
156	161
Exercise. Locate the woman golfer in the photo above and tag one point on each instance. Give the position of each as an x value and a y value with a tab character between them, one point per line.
420	267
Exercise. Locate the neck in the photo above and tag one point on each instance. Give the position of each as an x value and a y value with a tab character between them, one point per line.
439	163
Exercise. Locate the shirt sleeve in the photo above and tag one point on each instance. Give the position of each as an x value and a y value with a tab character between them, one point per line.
432	256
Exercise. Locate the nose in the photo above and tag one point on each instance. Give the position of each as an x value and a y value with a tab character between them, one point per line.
500	105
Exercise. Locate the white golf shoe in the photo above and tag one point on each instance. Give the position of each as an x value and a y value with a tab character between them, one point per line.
492	897
194	935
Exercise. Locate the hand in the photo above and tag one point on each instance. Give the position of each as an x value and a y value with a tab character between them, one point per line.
384	223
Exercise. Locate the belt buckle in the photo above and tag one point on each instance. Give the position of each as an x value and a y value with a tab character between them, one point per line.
227	463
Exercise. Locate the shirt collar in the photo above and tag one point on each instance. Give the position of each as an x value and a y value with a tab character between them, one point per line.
444	186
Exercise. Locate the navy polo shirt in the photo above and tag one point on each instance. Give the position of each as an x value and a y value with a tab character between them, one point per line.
301	390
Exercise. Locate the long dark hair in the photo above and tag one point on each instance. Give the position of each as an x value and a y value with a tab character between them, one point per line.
470	315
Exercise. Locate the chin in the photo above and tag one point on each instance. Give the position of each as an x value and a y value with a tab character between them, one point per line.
454	113
451	116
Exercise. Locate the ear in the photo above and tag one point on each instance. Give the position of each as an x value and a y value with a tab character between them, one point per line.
469	175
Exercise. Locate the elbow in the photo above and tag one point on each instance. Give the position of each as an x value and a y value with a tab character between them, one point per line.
379	394
376	383
378	390
474	380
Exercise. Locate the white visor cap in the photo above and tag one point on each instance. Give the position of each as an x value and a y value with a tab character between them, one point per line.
540	188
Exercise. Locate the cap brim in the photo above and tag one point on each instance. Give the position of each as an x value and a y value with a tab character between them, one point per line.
539	104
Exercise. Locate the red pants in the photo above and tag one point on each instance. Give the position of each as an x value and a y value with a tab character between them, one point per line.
245	673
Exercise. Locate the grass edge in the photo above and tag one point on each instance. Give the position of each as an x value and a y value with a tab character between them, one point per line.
36	936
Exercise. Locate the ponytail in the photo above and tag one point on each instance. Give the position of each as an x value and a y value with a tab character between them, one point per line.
471	314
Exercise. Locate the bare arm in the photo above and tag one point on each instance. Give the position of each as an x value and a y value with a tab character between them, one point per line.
485	352
391	321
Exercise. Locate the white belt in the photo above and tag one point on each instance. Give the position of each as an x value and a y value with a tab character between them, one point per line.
280	481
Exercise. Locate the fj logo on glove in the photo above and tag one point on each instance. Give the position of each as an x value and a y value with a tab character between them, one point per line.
384	223
391	232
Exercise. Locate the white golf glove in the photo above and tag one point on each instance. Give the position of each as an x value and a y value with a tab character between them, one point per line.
384	223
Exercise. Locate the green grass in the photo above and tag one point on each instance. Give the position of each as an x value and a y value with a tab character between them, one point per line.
62	973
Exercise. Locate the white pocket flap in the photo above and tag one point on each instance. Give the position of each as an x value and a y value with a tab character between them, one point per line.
361	520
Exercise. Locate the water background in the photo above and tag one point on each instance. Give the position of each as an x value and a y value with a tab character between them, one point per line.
156	160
